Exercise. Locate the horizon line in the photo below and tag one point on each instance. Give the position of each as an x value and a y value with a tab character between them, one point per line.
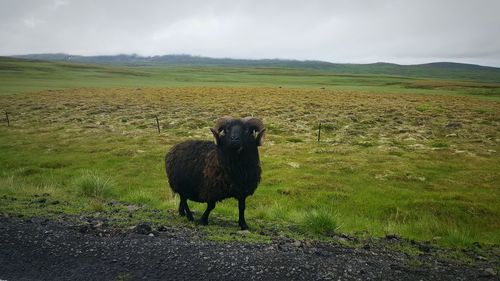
246	59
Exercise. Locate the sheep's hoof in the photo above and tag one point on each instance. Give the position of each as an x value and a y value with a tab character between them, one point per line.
203	222
244	226
190	217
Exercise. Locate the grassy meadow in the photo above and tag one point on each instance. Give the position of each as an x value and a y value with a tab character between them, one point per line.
415	157
22	76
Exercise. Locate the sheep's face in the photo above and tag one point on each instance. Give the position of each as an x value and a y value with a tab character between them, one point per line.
238	134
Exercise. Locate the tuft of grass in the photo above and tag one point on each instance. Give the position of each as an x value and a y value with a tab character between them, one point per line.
123	277
459	237
18	184
140	197
423	108
440	144
97	205
428	107
278	211
92	184
319	222
294	139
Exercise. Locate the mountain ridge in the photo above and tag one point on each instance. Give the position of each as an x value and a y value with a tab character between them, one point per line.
127	58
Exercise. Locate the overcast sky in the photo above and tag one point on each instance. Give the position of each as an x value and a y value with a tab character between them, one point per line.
398	31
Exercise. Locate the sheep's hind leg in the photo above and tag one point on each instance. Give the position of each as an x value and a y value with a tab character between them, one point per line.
184	209
181	209
241	207
204	217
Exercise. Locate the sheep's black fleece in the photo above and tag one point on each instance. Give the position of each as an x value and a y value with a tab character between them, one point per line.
203	172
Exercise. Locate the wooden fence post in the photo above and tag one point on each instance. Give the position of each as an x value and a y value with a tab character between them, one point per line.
157	123
319	132
7	117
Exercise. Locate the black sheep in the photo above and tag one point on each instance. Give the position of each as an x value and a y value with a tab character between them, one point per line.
205	171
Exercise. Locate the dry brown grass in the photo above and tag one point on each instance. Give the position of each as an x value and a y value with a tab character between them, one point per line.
430	122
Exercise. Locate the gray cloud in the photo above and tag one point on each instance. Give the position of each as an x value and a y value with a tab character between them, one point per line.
338	30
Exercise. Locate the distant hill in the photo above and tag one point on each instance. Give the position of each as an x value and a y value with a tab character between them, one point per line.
443	70
178	60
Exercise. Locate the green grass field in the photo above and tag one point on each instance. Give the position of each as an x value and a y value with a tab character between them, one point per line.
416	157
21	76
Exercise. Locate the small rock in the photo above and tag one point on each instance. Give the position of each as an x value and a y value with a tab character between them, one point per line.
132	208
297	243
391	237
489	272
84	228
96	224
114	203
424	248
41	221
162	228
151	235
143	228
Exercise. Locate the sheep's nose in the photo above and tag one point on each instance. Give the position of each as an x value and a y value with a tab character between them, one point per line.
235	141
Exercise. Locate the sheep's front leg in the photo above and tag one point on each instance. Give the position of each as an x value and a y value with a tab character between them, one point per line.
204	217
241	207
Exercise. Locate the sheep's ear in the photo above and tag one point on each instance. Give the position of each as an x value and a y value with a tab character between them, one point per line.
216	135
260	137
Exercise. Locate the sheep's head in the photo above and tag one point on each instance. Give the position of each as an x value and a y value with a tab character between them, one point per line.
238	133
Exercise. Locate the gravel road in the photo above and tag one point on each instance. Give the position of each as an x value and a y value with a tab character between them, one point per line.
40	249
